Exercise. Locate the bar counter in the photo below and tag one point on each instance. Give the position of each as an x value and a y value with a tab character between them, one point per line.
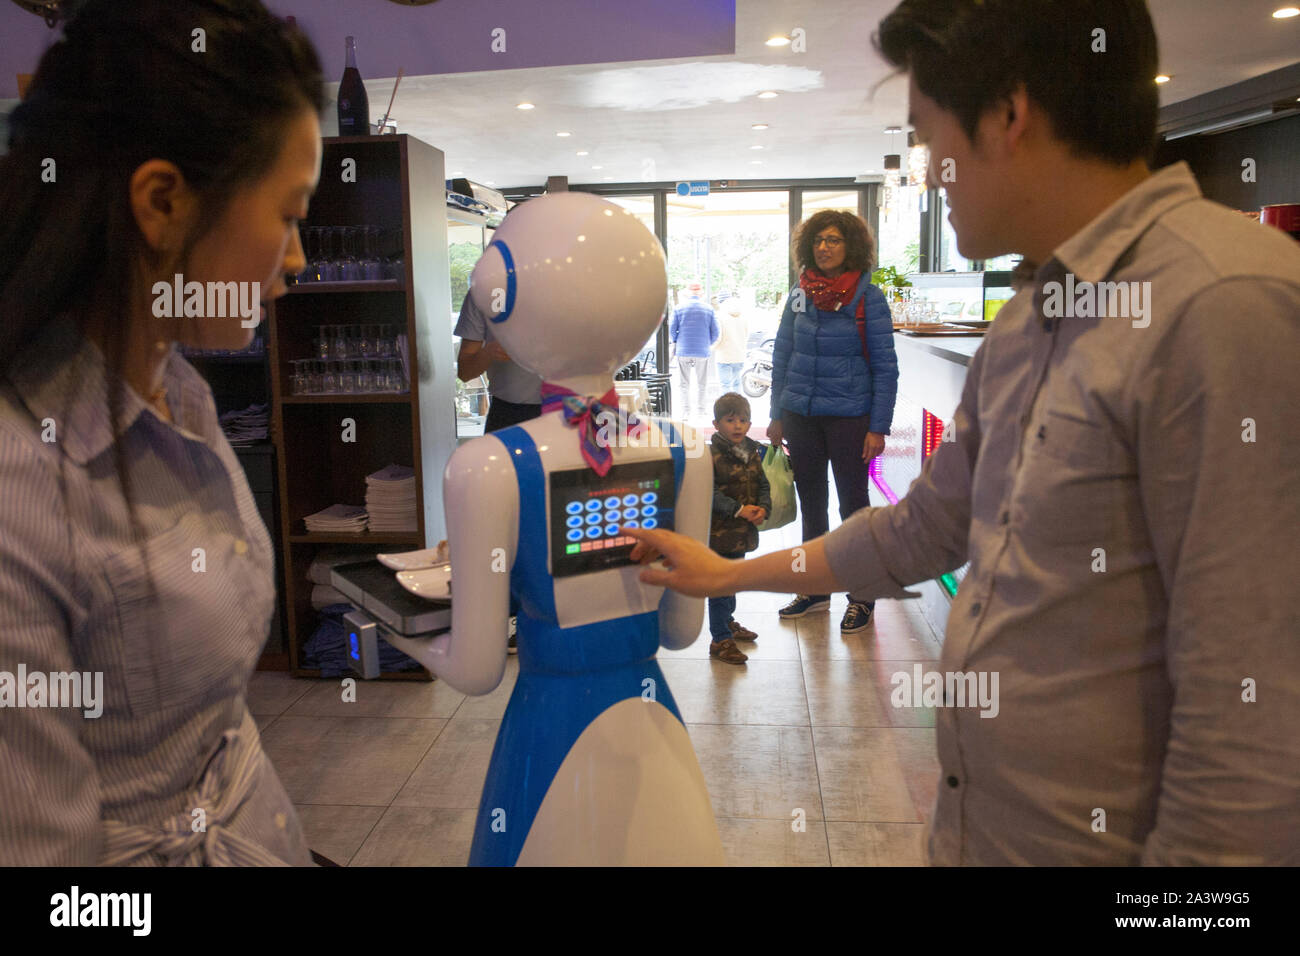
931	374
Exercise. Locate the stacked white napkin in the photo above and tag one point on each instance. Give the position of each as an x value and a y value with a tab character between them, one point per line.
336	519
391	499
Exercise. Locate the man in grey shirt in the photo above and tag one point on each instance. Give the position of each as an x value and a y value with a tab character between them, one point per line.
516	393
1122	472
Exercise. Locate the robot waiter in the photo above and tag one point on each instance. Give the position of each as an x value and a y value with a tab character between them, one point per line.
592	765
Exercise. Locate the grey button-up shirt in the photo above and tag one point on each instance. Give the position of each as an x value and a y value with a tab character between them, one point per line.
508	381
1127	491
172	770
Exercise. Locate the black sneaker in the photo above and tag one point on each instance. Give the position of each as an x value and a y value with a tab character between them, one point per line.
512	645
805	604
856	618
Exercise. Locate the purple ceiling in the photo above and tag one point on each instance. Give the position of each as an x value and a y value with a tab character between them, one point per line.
456	36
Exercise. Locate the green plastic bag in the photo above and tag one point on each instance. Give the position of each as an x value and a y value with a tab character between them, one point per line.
780	482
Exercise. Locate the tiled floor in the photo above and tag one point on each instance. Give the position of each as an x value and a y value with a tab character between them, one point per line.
806	761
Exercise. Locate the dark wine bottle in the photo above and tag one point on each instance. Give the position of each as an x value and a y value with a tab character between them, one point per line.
354	108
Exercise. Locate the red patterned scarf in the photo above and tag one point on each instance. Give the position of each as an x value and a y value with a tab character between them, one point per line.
832	294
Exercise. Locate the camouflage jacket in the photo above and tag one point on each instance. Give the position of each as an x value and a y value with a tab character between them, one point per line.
738	479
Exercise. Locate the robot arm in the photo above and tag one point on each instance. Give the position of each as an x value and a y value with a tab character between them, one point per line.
681	617
481	496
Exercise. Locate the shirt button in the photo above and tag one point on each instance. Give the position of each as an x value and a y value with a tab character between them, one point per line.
1006	517
975	608
241	546
953	781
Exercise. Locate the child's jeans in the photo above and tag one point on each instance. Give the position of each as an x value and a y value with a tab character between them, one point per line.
721	610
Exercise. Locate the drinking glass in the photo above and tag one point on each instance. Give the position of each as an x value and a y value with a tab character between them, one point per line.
307	235
395	266
351	266
333	236
325	267
371	266
339	342
321	343
366	376
348	378
330	377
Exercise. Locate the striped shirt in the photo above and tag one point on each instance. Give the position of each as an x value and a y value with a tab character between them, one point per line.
1127	491
173	770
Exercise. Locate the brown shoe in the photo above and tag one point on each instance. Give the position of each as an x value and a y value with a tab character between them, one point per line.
727	651
741	633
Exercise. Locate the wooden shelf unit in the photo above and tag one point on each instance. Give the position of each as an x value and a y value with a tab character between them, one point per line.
237	381
400	187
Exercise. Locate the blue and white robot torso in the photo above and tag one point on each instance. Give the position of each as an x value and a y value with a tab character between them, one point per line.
592	764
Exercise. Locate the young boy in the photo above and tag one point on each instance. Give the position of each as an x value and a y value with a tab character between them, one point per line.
741	502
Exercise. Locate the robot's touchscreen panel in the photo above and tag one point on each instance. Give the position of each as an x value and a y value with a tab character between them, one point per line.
588	513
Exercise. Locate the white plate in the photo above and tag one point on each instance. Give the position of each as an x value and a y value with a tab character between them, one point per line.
433	584
411	560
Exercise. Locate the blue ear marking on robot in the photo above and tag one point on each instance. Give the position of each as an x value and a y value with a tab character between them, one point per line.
510	280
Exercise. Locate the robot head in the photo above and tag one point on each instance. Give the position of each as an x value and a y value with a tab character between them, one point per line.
572	285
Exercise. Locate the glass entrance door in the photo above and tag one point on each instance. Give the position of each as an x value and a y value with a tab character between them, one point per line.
735	245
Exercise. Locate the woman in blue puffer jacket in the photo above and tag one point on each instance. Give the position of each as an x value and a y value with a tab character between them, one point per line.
834	380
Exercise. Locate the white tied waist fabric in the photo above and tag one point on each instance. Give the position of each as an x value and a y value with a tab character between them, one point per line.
227	781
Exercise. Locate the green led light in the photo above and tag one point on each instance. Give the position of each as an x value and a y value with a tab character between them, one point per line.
949	584
572	549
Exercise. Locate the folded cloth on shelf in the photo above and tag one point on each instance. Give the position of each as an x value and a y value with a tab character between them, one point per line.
246	426
337	518
391	499
322	596
327	647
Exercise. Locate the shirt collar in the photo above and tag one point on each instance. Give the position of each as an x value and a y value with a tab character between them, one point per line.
62	377
1091	253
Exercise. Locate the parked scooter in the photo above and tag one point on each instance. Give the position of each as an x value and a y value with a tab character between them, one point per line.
757	377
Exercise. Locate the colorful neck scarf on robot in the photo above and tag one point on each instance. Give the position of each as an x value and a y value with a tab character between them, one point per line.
596	417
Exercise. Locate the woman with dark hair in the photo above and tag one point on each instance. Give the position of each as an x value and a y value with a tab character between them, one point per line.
132	556
834	380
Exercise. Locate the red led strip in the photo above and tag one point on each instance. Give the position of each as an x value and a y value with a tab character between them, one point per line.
931	433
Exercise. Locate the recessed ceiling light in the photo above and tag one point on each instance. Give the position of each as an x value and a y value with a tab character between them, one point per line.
582	152
491	182
1162	78
756	147
785	41
459	172
767	94
759	126
1286	13
597	167
524	106
609	177
756	162
563	134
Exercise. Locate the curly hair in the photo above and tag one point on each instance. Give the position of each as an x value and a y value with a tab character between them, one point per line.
859	243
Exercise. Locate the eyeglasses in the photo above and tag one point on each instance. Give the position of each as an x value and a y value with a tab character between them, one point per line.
831	242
